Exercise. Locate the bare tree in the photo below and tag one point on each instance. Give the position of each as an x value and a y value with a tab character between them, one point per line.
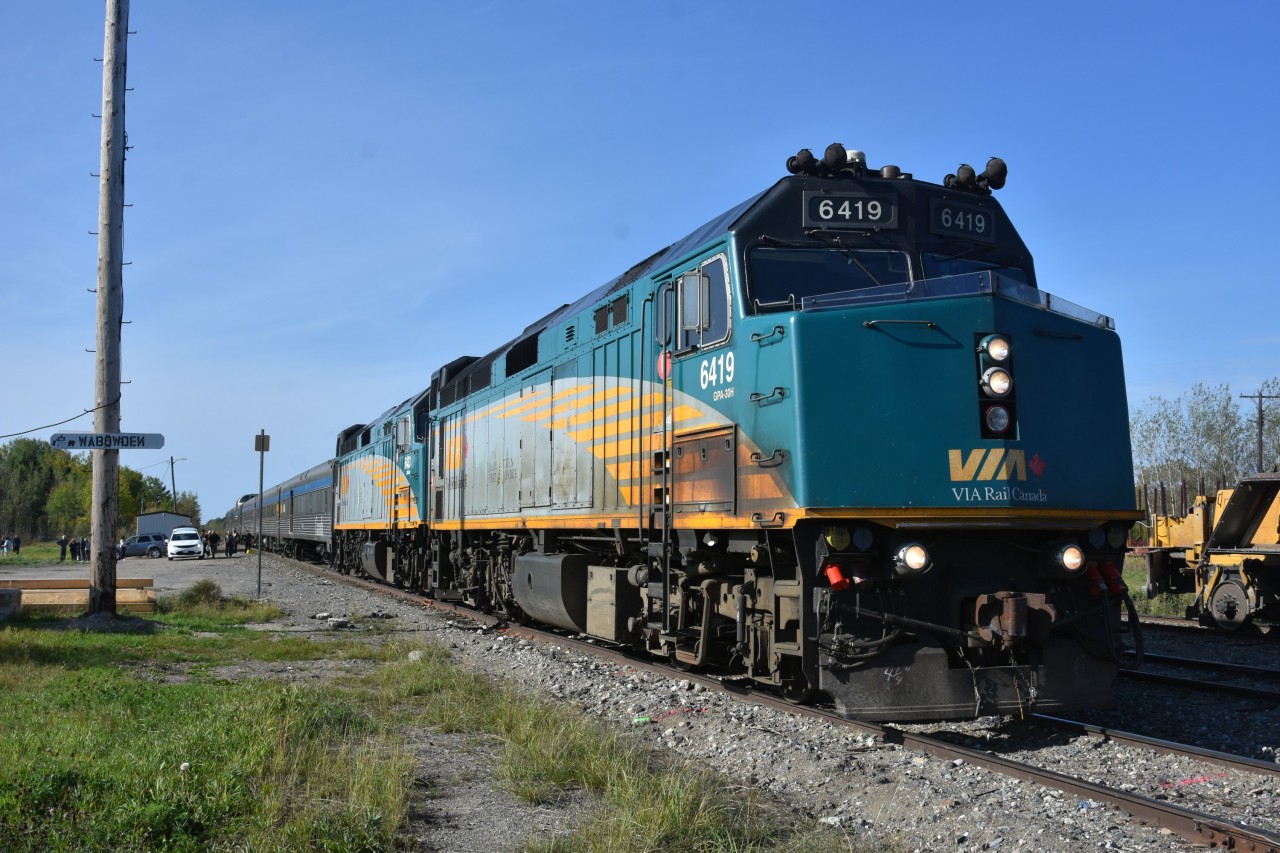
1203	437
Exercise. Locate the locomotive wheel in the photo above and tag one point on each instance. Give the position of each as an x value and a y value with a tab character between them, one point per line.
1229	606
796	690
793	684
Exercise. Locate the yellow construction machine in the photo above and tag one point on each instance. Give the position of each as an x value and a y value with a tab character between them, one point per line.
1226	550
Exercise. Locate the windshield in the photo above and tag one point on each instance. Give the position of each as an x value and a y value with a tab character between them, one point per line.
184	537
940	266
781	277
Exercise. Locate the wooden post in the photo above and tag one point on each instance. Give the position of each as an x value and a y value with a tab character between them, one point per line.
106	417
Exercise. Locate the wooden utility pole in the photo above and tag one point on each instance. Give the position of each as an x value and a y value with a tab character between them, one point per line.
106	415
1260	397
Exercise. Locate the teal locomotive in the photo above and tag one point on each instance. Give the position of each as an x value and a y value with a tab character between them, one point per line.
837	440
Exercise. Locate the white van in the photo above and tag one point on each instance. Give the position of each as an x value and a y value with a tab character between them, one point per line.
185	542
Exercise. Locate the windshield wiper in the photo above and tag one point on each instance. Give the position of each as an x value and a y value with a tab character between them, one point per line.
848	254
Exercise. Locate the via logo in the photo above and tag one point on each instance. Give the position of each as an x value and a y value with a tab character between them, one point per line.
983	464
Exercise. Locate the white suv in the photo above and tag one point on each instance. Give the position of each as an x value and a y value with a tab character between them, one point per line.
185	542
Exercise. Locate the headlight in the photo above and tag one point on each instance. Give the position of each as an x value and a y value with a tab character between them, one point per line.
997	382
1116	536
913	559
997	419
1071	558
995	347
837	538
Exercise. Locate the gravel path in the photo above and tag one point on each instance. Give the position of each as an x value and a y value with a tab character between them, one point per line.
871	791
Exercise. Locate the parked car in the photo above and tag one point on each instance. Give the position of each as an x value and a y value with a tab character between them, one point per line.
150	544
185	542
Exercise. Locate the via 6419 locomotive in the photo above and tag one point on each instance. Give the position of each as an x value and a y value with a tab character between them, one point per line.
836	440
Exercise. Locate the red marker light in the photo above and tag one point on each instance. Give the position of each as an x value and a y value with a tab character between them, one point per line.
836	577
1115	583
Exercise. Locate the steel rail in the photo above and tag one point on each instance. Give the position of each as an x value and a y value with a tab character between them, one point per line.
1216	666
1168	747
1202	686
1261	632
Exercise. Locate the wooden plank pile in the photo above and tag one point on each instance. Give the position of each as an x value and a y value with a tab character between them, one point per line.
135	595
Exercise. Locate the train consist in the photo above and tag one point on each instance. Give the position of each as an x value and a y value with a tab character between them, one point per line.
836	440
1226	550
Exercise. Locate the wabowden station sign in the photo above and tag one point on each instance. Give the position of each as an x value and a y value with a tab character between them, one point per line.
107	440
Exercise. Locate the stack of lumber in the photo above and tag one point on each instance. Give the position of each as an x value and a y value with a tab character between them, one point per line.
135	595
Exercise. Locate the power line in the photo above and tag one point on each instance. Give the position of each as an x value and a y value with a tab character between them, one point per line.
60	423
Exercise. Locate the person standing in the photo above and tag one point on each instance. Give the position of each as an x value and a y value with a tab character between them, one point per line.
75	550
17	545
62	549
231	543
214	538
84	549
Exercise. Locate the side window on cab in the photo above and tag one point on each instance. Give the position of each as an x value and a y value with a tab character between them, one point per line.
703	297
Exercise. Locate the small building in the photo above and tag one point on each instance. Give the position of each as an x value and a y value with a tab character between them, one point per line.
161	522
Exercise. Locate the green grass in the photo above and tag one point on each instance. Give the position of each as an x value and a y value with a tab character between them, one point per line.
98	755
645	804
36	554
131	742
1164	604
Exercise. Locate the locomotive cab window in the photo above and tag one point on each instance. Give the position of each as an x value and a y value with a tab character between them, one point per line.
938	266
782	277
703	305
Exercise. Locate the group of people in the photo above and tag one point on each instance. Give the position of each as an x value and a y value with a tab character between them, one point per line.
211	540
79	549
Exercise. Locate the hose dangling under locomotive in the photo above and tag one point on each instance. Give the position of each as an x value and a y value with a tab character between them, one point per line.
836	440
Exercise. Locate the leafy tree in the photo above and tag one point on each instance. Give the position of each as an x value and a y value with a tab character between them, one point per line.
26	478
1156	430
68	508
154	496
1203	439
46	492
130	487
189	505
1215	435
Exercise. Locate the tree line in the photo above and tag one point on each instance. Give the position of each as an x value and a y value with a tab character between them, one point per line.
45	493
1206	438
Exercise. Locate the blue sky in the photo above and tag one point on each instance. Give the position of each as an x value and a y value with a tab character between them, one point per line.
332	199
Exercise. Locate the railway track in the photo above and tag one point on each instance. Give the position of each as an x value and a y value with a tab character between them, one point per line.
1209	685
1261	632
1130	739
1196	826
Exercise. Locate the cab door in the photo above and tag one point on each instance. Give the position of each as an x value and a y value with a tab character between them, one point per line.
702	459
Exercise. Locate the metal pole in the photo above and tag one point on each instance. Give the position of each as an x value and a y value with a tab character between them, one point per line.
262	458
261	443
173	486
106	417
